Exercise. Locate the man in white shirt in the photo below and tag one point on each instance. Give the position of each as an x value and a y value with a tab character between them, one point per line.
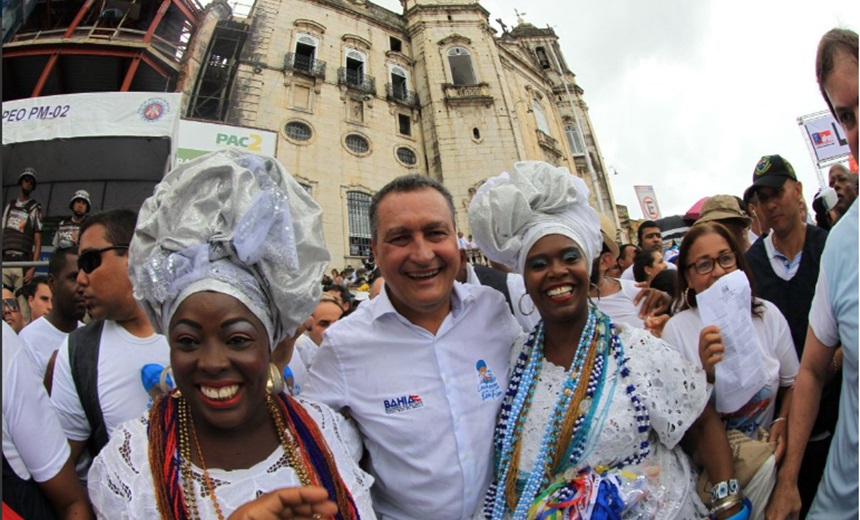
34	447
45	335
650	239
422	368
127	342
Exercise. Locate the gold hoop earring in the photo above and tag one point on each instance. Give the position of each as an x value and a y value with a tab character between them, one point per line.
687	298
520	306
163	383
275	384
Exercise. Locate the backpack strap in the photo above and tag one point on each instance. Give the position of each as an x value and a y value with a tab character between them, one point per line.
496	279
84	361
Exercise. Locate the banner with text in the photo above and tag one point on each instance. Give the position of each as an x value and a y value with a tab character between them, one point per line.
825	136
648	202
197	138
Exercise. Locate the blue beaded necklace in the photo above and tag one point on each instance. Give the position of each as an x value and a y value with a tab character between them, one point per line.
518	400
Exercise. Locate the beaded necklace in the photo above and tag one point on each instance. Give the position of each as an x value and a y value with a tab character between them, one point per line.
576	403
186	426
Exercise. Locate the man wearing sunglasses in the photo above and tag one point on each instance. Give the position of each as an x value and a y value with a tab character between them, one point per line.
110	352
11	311
785	264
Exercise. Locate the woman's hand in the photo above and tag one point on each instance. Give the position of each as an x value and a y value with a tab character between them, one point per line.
309	503
777	435
711	349
655	324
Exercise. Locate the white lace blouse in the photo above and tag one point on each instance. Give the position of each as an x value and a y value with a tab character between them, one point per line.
121	485
675	393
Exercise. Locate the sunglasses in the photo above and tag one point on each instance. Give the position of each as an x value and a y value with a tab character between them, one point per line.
11	304
91	259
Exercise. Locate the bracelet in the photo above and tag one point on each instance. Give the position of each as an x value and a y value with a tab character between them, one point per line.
777	420
725	505
745	513
724	489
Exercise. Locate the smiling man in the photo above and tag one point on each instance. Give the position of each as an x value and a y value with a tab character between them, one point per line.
109	353
412	364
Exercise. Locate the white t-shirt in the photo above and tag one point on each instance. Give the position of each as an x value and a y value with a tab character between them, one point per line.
628	273
619	306
120	387
779	358
306	349
426	404
783	267
41	339
33	441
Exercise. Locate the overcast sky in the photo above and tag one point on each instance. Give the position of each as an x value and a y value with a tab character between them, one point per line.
687	95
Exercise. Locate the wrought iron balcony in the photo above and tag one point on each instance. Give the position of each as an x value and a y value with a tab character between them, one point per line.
304	64
548	143
355	80
400	94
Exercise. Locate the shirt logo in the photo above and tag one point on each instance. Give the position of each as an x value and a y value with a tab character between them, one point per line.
488	386
403	403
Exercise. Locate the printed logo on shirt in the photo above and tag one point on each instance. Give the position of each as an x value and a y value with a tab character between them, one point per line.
749	417
488	386
403	403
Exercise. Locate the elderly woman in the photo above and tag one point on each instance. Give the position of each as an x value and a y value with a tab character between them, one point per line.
226	260
591	422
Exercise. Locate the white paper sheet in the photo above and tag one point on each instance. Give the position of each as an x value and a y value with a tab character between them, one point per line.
739	375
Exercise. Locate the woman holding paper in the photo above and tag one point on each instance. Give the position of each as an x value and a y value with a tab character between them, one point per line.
709	252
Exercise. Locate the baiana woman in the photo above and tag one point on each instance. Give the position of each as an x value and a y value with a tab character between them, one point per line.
592	423
226	260
709	252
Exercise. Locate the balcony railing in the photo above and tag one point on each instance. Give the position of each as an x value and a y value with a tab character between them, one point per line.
467	94
304	64
355	80
400	94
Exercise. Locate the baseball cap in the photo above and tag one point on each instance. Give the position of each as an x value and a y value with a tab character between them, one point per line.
771	171
723	207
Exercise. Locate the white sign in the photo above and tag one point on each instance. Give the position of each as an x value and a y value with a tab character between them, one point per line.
197	138
825	136
101	114
648	202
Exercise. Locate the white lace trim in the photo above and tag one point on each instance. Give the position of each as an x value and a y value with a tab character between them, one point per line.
674	392
121	486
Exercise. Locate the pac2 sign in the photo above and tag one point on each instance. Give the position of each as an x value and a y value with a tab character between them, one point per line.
251	142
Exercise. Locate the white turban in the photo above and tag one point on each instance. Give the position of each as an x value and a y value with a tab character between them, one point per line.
233	223
512	211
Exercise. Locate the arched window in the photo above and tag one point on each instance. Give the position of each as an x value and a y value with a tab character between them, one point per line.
540	117
574	139
460	62
358	213
399	90
306	51
355	67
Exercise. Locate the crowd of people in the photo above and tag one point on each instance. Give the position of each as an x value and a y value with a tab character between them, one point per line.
201	358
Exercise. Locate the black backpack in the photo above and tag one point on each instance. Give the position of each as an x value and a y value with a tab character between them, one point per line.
84	361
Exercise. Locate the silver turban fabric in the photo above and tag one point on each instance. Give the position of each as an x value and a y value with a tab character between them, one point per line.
512	211
234	223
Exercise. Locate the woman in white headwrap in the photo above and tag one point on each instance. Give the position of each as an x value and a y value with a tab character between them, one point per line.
591	423
226	260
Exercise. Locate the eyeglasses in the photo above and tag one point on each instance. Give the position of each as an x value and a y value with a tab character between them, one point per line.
91	259
706	265
11	304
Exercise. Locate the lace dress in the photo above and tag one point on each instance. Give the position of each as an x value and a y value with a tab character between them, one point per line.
121	486
675	393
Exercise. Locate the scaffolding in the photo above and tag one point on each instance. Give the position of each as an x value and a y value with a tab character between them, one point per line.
210	98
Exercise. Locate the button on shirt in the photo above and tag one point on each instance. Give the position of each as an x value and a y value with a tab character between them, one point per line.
426	405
